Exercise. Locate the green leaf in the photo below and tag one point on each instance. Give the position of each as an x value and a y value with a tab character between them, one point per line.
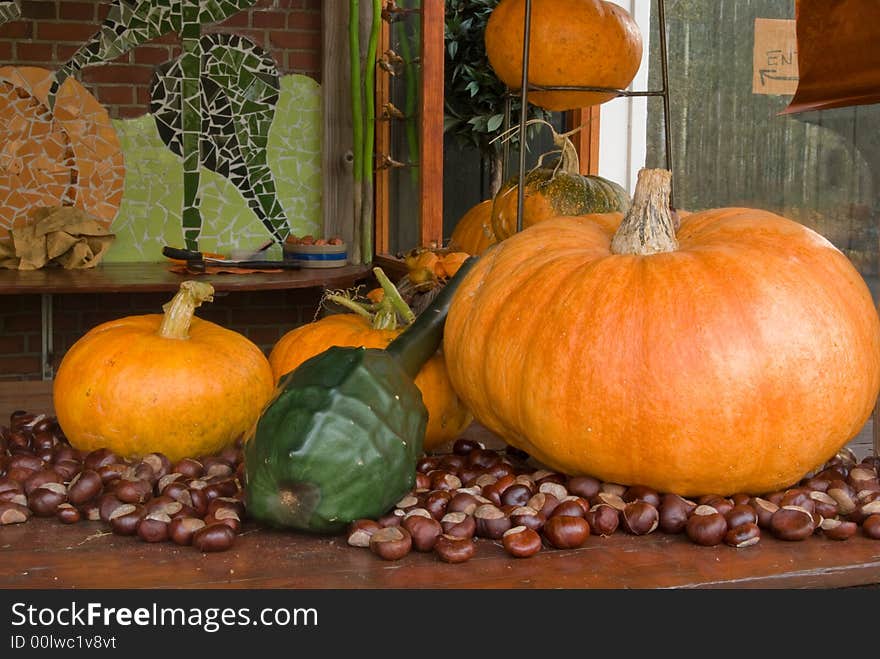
494	122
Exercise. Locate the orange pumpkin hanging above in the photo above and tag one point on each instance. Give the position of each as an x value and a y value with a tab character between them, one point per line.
732	356
584	43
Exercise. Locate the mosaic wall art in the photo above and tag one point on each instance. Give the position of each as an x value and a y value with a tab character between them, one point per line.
228	158
66	156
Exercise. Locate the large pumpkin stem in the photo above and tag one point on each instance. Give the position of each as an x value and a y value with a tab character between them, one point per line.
649	225
179	311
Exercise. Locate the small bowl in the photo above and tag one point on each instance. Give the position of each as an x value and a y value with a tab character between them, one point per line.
317	256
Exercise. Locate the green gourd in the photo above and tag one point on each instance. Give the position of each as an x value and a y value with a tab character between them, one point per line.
340	439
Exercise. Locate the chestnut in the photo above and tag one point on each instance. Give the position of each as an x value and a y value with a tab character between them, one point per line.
570	508
544	503
459	525
583	486
639	517
493	491
613	488
125	518
360	531
556	489
528	517
741	514
824	504
792	523
45	499
517	494
437	503
613	500
521	542
182	529
154	527
764	509
423	531
67	514
13	513
462	502
454	549
706	526
871	526
838	529
603	519
743	535
674	513
566	532
463	446
641	493
391	543
490	521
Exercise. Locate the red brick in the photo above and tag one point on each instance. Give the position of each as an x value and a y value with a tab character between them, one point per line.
170	38
66	32
296	40
34	52
143	96
301	20
114	94
12	344
5	50
22	322
256	36
20	365
303	62
241	19
17	30
77	11
130	112
152	54
65	321
80	301
64	52
116	73
102	10
114	302
39	9
274	19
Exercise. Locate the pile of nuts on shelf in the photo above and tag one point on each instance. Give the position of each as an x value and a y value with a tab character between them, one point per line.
475	492
471	493
194	502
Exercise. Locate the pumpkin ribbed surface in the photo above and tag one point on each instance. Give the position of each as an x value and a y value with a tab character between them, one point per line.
736	363
447	416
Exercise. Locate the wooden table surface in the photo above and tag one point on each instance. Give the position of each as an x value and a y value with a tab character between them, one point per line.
156	277
46	554
43	553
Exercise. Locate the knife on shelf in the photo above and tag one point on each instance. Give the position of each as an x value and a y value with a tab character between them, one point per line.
198	259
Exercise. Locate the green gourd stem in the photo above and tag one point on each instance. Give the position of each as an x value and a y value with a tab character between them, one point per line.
393	296
411	90
648	226
179	311
421	339
383	315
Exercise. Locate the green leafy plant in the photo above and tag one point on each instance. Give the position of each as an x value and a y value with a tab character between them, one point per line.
475	97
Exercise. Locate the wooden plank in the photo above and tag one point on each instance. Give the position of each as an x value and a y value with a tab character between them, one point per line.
431	125
382	182
45	554
152	277
337	201
586	140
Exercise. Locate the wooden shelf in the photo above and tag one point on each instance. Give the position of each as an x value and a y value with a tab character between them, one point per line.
44	553
156	277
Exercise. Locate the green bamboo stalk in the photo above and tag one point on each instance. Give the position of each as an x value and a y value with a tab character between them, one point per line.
357	121
369	133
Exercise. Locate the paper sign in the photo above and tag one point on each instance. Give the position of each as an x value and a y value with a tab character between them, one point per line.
775	58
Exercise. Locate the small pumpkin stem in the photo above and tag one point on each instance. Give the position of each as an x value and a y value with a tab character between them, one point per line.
393	296
569	163
649	225
179	311
384	314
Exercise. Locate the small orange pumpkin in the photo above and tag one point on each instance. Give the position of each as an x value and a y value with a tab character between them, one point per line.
375	326
171	383
474	234
585	43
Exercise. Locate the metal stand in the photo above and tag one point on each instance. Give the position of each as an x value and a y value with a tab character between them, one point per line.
524	105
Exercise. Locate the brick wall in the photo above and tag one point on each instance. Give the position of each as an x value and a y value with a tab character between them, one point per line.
47	34
50	31
262	316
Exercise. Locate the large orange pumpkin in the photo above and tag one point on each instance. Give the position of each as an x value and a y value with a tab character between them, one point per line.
447	415
170	383
473	233
584	43
733	356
